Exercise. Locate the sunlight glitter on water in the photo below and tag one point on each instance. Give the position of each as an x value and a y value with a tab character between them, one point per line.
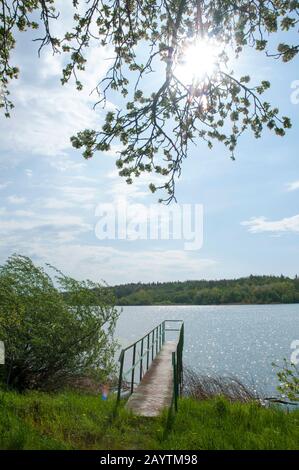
241	340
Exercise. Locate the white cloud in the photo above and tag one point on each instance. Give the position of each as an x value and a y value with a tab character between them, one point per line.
64	163
121	192
4	185
60	204
46	113
16	199
31	222
51	65
22	213
45	118
57	204
114	150
79	194
85	179
261	224
117	266
28	172
293	186
16	213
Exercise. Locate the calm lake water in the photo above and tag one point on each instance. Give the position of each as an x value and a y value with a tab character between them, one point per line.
240	340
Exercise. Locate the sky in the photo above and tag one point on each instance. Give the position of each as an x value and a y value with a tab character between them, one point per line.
51	198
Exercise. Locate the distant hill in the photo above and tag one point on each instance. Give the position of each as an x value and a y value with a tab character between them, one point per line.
247	290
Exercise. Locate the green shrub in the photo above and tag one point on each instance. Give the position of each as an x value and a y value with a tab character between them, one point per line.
288	376
53	329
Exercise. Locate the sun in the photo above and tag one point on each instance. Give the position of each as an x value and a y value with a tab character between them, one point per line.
198	61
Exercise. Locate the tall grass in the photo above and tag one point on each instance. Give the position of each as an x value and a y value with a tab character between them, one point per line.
218	424
203	387
70	420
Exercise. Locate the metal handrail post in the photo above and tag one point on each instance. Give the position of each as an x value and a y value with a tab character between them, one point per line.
163	332
121	360
133	368
174	381
141	362
160	337
182	347
153	342
148	352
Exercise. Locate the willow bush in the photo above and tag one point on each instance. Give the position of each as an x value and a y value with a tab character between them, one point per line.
54	327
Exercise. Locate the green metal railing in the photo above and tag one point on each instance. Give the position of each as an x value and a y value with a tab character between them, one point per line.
177	364
144	351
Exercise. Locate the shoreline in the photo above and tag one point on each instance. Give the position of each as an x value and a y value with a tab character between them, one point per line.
205	305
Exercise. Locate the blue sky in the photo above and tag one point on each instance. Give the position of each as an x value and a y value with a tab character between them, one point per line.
48	193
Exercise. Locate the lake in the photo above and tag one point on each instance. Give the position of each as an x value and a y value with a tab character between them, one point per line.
239	340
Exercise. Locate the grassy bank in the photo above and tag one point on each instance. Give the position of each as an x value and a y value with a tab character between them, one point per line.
75	421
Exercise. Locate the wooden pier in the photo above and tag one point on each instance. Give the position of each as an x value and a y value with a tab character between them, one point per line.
155	391
155	372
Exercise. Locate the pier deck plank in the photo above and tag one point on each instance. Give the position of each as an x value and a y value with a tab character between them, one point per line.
155	390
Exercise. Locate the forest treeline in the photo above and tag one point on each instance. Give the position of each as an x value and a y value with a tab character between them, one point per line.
247	290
